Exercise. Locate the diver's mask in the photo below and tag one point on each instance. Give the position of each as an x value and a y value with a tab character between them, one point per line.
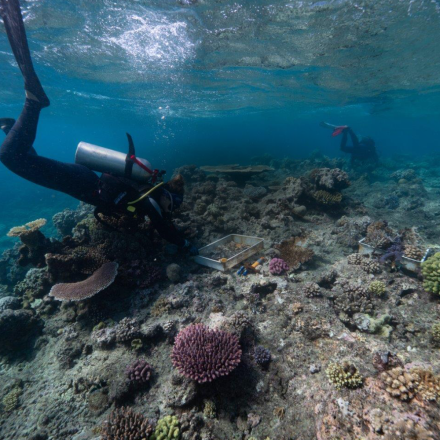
174	199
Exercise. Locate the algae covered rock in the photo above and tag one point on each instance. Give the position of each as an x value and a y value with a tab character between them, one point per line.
167	428
431	273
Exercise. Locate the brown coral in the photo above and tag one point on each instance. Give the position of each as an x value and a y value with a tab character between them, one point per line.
312	290
400	383
99	281
124	423
429	384
293	254
354	259
413	252
370	266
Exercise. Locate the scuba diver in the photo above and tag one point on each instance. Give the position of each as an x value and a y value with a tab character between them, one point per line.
362	151
128	185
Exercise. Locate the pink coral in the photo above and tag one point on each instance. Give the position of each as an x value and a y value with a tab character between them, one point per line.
277	266
203	355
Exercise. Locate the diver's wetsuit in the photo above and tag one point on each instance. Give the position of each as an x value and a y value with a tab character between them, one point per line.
360	150
17	152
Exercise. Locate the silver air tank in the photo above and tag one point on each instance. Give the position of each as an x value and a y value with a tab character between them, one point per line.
104	160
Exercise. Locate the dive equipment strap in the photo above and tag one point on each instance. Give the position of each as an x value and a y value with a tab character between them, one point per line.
130	206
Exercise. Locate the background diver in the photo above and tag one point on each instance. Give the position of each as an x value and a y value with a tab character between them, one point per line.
361	151
111	195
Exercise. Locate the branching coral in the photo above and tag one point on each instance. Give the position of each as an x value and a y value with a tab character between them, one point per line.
431	273
429	384
123	424
370	266
377	288
203	355
400	383
344	375
413	252
127	330
330	178
294	255
96	283
311	290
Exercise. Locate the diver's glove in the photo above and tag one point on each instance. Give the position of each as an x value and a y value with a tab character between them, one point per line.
190	248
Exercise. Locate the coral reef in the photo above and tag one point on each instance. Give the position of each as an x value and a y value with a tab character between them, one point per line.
385	360
431	273
330	179
261	356
127	330
96	283
311	290
167	428
377	288
203	355
295	256
400	383
413	252
138	372
124	423
344	375
278	266
435	334
327	198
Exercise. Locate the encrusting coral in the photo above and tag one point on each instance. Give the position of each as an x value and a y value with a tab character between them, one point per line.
167	428
344	375
97	282
127	330
431	273
400	383
407	429
203	354
10	400
124	423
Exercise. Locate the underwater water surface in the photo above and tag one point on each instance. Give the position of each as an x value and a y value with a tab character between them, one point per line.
215	82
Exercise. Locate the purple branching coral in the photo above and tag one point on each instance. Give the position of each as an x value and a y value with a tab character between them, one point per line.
394	252
203	354
262	356
139	372
277	266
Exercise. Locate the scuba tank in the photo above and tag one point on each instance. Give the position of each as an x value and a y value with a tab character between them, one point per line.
119	164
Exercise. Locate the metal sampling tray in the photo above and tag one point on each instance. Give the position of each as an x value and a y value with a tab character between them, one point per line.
256	244
407	263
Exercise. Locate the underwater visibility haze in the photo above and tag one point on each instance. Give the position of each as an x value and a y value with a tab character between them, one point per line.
113	328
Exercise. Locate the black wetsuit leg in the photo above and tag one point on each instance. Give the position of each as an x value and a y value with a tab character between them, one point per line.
18	155
11	14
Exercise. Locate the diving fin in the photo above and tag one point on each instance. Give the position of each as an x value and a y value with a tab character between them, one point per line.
6	124
13	20
128	159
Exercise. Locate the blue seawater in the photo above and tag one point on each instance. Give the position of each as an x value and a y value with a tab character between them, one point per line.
214	82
